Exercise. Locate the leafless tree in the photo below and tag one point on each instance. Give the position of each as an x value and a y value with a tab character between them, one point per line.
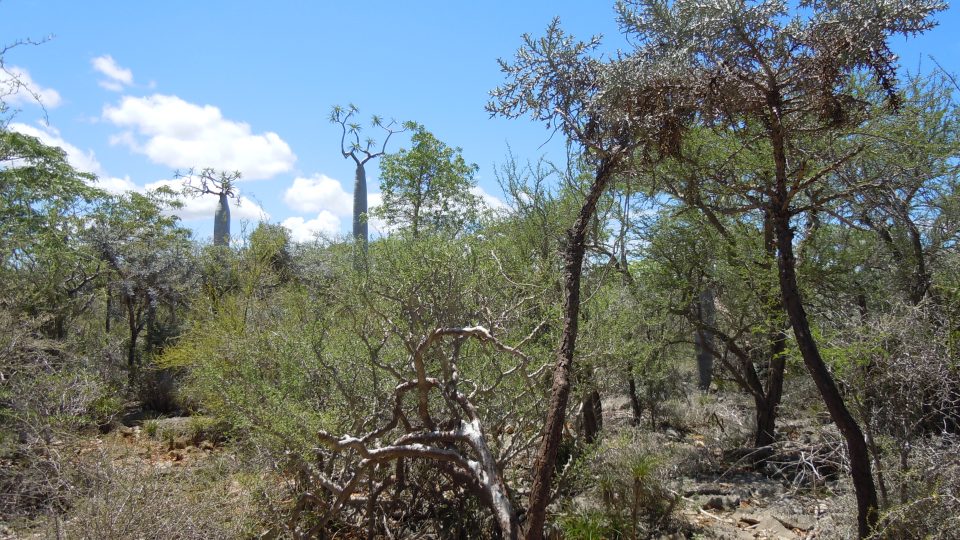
434	418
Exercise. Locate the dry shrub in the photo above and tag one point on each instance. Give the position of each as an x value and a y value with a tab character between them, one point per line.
47	393
903	379
130	499
928	493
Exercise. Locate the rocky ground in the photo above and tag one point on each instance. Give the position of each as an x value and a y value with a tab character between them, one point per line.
181	464
800	493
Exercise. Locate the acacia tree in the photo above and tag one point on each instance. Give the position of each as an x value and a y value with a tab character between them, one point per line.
44	270
781	83
361	153
222	184
427	188
914	211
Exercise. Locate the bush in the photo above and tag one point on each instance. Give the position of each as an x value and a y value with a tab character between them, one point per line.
623	490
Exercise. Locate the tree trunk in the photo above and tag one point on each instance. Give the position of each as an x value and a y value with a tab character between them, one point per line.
109	305
767	407
766	421
778	210
132	347
546	458
592	416
777	337
856	444
703	339
360	208
921	276
221	222
635	401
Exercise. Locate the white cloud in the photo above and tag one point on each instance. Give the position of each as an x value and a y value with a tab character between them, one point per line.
80	160
18	88
491	201
301	230
112	86
118	76
179	134
377	225
205	206
319	193
116	185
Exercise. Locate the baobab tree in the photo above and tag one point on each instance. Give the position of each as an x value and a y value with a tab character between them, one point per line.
361	153
220	183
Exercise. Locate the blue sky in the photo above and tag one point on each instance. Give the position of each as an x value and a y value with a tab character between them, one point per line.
136	90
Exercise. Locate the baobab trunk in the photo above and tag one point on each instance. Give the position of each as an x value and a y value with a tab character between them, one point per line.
360	207
221	222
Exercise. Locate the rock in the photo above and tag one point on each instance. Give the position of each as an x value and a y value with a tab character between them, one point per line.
772	528
178	425
722	502
127	431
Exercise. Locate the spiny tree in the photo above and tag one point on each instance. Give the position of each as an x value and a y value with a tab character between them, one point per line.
148	257
212	182
13	82
780	81
361	153
427	188
743	252
611	116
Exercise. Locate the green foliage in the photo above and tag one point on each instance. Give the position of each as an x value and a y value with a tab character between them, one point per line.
149	257
427	189
45	269
587	525
623	480
151	428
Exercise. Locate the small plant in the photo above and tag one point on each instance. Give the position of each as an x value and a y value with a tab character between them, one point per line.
625	480
206	428
587	525
103	409
151	428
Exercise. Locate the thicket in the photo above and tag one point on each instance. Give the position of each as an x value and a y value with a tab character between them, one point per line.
751	202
